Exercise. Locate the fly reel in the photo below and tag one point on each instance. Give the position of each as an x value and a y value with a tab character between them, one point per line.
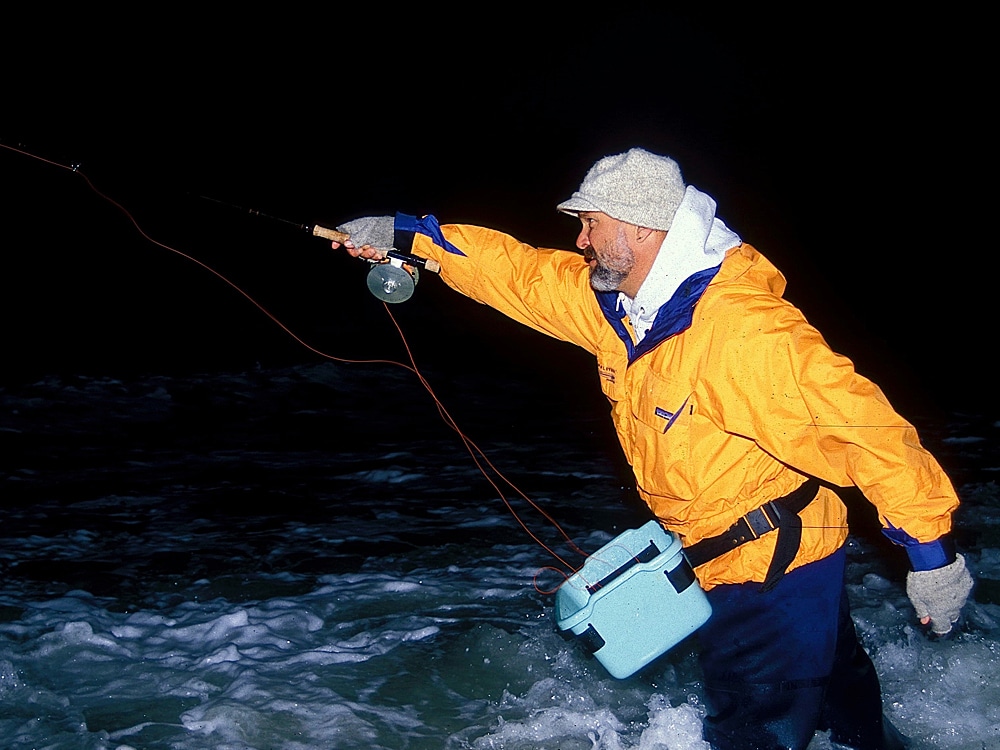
393	278
391	282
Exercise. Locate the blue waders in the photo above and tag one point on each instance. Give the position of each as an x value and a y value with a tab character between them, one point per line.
780	664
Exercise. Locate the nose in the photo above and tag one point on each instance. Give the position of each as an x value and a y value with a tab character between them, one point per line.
583	239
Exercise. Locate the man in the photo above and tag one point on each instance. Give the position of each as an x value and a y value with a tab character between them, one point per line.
737	420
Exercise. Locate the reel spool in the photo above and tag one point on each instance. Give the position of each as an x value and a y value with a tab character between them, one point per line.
391	282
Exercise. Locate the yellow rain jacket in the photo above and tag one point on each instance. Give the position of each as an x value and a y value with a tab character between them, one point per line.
731	400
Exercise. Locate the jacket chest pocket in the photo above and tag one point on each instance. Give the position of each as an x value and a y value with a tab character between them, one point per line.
661	413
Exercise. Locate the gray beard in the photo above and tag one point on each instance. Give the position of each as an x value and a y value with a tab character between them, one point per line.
604	279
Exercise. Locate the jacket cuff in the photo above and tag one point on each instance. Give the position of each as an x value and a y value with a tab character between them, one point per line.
407	226
402	232
931	555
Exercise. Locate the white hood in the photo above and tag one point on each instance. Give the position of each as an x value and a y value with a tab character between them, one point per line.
697	240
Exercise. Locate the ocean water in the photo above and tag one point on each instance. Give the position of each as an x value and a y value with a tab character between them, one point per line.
298	558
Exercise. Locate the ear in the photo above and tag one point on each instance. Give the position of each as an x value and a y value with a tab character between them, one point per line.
644	233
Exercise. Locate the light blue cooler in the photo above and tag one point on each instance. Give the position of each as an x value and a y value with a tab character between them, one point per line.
633	600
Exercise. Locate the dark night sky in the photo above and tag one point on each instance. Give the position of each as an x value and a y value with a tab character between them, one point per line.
846	149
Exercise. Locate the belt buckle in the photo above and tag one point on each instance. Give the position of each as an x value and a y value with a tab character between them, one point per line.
759	520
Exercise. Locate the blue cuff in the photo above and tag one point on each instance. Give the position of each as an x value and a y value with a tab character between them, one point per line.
923	555
932	555
427	226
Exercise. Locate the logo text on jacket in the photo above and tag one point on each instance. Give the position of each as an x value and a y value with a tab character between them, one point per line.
671	417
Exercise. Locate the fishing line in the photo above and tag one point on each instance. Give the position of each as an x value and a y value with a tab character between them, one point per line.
479	457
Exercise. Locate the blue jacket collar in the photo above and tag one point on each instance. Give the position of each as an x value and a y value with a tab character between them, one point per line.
673	317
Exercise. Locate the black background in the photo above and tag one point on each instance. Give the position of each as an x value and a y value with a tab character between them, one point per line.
851	149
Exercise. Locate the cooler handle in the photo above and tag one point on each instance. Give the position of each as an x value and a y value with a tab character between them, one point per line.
645	556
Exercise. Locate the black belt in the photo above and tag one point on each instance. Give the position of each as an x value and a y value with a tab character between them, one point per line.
781	513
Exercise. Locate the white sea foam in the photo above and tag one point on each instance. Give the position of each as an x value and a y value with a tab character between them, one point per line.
146	603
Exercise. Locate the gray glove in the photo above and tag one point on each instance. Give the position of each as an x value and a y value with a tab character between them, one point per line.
377	231
940	593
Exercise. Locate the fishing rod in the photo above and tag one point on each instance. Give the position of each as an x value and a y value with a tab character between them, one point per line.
389	286
394	274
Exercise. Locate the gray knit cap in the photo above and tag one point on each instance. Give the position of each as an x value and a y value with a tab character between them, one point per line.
636	187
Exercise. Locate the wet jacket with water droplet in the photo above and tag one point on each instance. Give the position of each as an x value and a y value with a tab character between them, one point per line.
731	400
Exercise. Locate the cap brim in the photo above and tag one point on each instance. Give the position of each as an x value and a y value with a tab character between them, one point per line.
575	205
